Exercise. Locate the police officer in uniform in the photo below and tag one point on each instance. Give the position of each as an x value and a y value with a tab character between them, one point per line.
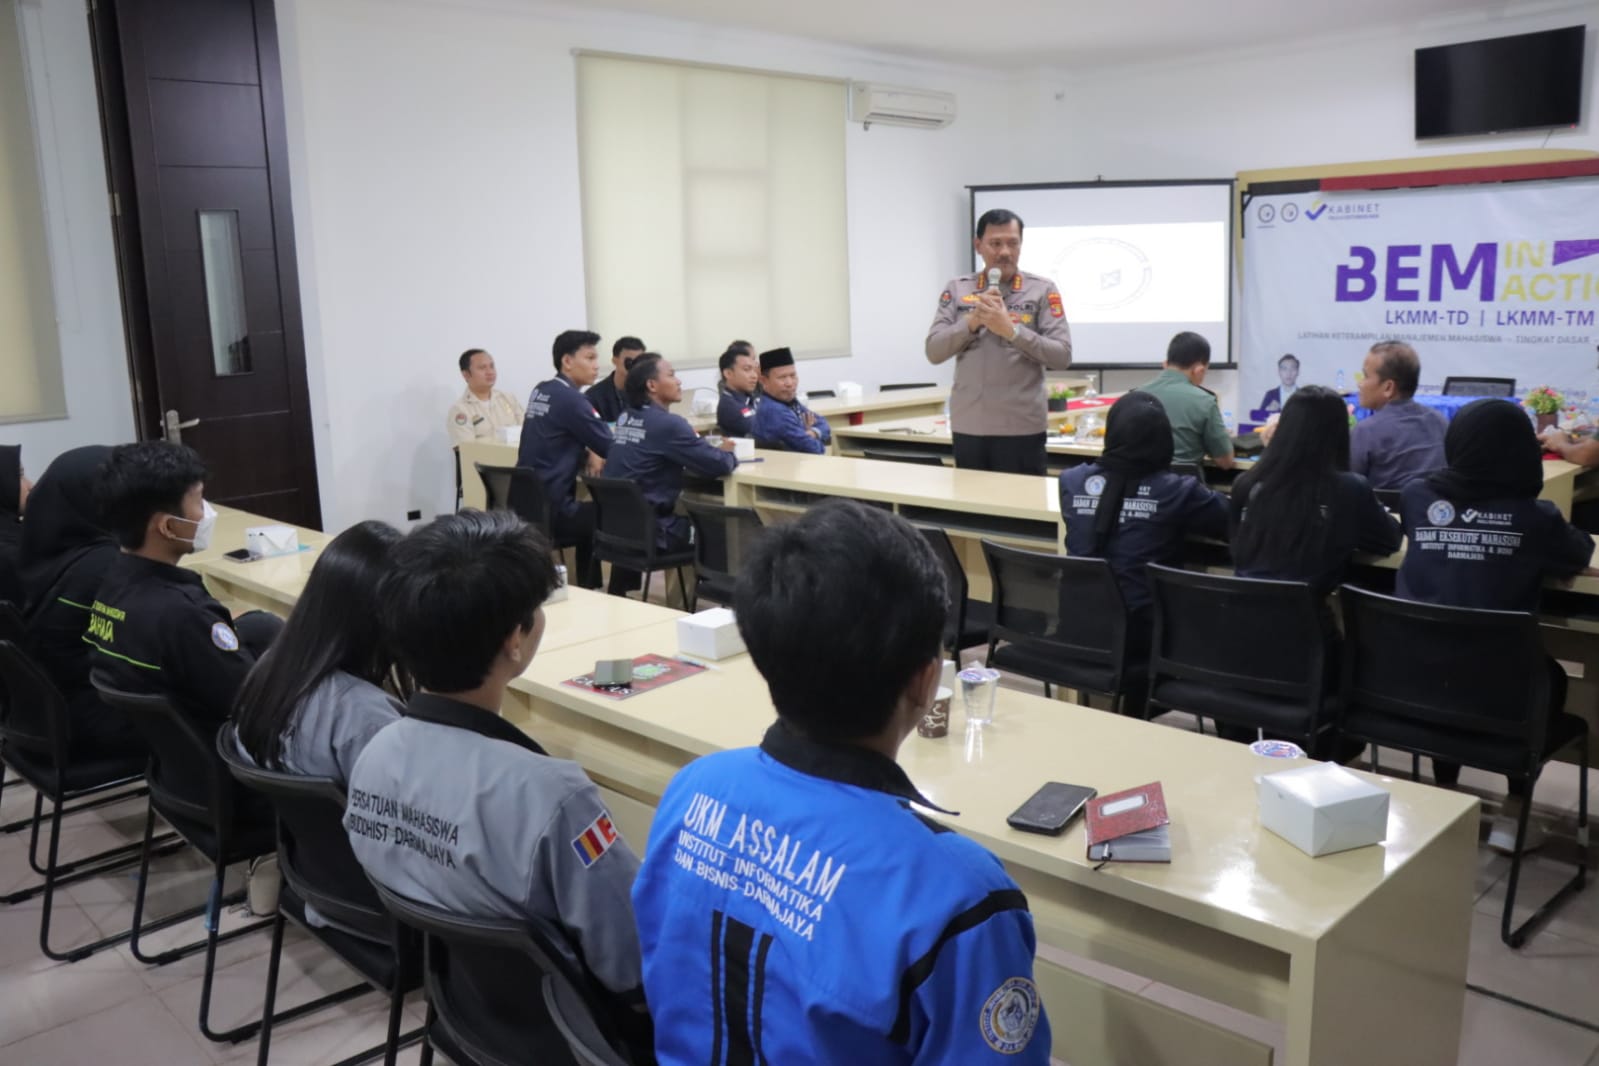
482	408
796	903
654	446
452	806
1002	338
741	381
561	429
781	421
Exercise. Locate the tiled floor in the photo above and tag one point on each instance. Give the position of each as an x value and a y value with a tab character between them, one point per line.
110	1010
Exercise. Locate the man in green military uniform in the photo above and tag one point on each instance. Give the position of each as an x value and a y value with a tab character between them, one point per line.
1197	429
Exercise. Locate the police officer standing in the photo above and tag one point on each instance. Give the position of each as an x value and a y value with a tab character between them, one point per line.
1003	337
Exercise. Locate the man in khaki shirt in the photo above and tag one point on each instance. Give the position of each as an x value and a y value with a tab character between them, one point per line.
1003	337
482	408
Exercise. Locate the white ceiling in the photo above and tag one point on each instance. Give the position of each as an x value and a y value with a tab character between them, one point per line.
1057	33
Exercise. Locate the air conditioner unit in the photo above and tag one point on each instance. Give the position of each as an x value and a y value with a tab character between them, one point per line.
895	106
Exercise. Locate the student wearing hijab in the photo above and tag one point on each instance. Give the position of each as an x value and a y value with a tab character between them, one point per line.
1299	514
14	486
1502	540
1131	510
65	553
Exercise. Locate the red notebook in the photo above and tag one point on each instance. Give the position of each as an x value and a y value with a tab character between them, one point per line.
1130	826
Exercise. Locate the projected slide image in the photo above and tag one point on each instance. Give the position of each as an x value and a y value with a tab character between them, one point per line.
1163	272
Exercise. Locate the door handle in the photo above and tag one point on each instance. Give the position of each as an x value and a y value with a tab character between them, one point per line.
173	428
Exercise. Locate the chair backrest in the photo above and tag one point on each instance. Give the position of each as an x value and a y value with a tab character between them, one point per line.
1240	633
1475	386
1458	669
578	1025
723	539
908	385
821	394
518	490
895	455
33	715
186	776
480	973
624	521
1067	604
314	852
955	584
12	627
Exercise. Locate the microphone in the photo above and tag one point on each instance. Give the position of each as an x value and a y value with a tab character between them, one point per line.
993	277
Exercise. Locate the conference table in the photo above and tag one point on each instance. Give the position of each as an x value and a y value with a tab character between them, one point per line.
1335	949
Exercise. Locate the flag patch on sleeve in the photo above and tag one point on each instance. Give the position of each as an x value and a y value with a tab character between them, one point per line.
595	841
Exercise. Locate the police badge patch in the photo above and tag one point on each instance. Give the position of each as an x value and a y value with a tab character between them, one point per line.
946	298
1010	1016
460	419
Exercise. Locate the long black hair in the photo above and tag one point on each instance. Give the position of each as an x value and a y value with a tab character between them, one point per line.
334	626
1285	496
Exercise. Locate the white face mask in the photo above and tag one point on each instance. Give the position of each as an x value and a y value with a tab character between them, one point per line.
202	528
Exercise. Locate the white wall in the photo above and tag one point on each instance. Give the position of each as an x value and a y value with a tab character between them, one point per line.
78	233
434	166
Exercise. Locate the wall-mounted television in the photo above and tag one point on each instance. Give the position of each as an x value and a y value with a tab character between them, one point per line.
1529	81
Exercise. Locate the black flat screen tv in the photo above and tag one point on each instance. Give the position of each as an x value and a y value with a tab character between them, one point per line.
1530	81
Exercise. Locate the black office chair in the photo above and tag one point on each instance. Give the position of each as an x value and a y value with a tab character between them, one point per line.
578	1026
723	538
190	787
625	528
1059	620
1279	680
1475	386
322	875
479	974
897	455
908	385
1389	498
821	394
36	744
518	489
1466	686
967	622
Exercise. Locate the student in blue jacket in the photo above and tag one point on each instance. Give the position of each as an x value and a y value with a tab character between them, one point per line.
781	421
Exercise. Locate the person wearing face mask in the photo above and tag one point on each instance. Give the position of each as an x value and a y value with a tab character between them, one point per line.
14	488
153	626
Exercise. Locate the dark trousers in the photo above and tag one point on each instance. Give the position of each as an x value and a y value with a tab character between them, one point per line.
1448	773
1003	455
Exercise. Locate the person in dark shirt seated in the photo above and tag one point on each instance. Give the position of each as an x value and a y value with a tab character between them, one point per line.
741	381
1401	440
316	697
1131	510
607	396
65	553
1489	489
1300	514
653	446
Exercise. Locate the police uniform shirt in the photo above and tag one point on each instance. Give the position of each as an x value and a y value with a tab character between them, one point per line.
653	447
999	383
1493	555
155	629
473	419
735	413
793	907
456	808
782	425
607	398
561	425
1197	429
1158	514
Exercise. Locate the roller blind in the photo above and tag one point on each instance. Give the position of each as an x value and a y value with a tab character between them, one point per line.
713	208
30	345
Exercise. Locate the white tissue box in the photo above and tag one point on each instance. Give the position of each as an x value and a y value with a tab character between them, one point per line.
743	447
508	434
1323	808
711	634
263	542
849	391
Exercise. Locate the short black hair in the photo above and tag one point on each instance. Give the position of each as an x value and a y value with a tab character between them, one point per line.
145	479
456	588
741	346
1289	358
626	344
641	370
839	610
466	358
1398	362
569	341
1186	349
733	354
998	217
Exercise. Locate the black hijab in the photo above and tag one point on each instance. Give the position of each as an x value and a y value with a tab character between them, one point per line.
1493	454
63	519
1138	443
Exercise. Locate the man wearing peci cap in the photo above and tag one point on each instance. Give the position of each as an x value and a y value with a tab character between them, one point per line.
1002	337
781	421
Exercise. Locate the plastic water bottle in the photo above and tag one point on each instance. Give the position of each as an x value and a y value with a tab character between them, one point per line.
1230	422
1341	383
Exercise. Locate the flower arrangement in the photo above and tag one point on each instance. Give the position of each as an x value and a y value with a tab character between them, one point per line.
1543	401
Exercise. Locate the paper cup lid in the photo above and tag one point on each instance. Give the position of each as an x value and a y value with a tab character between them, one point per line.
979	673
1277	749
